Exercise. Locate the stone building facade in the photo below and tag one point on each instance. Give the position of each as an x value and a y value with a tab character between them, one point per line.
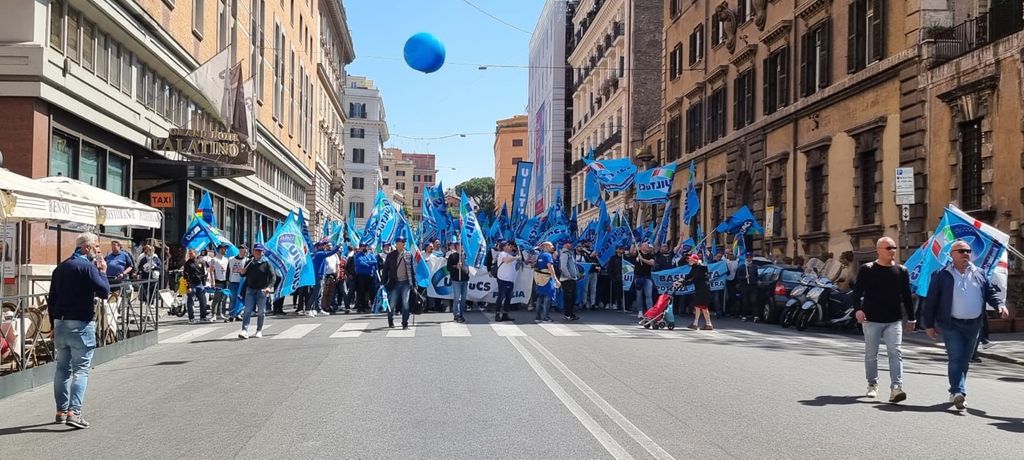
509	149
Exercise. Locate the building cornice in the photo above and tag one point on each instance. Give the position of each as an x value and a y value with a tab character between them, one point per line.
716	75
777	32
809	7
744	55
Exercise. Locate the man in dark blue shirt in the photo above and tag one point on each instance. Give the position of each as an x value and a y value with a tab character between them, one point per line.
119	264
74	285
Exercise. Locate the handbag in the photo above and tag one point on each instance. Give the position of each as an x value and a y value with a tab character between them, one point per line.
541	278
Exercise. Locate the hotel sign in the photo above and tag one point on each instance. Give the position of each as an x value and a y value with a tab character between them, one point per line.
212	146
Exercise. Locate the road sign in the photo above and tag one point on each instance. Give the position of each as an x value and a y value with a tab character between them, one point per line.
904	186
769	220
904	199
905	213
161	200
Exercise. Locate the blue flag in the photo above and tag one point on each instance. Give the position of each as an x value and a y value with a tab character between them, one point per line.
287	253
654	185
661	237
743	221
718	273
627	275
199	235
259	237
692	206
664	279
591	189
521	189
615	175
205	210
473	241
305	230
589	232
557	235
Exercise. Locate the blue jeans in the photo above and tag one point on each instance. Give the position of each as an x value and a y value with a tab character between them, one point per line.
590	293
644	290
892	333
399	295
255	299
200	293
459	290
543	306
313	301
237	303
504	301
960	336
74	342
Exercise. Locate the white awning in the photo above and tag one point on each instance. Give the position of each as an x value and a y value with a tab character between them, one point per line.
22	198
111	209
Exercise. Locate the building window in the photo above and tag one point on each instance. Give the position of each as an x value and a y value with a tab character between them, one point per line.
197	18
399	185
778	189
415	189
517	142
673	8
867	167
695	126
356	110
63	151
866	34
744	11
357	133
415	177
88	45
358	155
743	99
430	178
278	73
385	181
776	80
256	62
815	65
971	190
126	71
357	183
717	31
102	56
115	64
416	203
387	168
400	173
696	44
355	209
291	93
57	25
675	138
74	18
716	114
816	196
675	62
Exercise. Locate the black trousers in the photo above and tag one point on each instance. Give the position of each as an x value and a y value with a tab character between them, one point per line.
615	293
569	298
749	300
364	292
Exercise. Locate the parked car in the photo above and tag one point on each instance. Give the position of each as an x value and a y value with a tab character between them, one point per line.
774	283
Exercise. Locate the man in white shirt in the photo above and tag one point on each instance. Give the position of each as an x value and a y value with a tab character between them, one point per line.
219	274
330	282
235	266
509	264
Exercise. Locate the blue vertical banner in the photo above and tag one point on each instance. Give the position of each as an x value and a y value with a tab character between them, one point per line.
521	190
627	275
692	206
661	236
473	242
654	185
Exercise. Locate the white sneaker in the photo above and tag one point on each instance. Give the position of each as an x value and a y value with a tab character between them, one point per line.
244	334
897	395
959	401
311	314
872	391
987	345
259	334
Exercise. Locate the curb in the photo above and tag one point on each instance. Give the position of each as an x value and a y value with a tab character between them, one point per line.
984	354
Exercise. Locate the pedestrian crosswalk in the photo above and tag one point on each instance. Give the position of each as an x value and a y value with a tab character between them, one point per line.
354	330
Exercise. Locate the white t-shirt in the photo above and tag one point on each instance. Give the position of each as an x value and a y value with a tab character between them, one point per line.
331	265
220	267
235	266
507	270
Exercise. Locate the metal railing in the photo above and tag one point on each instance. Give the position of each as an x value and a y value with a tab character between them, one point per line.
953	42
26	329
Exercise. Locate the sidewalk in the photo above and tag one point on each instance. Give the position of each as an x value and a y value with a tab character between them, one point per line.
1006	347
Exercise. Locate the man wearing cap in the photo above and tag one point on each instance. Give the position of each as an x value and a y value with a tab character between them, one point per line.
259	283
399	273
319	258
366	264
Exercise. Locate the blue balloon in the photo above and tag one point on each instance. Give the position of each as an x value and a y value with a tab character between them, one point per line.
424	52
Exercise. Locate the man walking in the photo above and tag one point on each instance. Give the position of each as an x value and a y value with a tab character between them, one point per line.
219	275
568	274
235	266
747	278
883	286
259	283
399	273
459	276
954	306
195	274
314	304
643	284
507	271
74	285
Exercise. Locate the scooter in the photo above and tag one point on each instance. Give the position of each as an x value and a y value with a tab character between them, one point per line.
797	296
827	307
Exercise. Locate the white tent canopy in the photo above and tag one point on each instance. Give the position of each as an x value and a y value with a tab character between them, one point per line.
110	208
22	198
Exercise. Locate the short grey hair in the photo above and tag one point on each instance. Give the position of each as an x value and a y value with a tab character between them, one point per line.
86	238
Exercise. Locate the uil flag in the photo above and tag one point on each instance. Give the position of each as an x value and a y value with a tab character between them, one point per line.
743	221
200	235
591	189
615	175
472	235
654	185
287	253
692	200
205	210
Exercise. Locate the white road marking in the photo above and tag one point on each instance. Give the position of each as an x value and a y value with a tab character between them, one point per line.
639	436
455	330
190	335
350	330
508	330
297	331
595	429
559	330
234	333
611	330
411	332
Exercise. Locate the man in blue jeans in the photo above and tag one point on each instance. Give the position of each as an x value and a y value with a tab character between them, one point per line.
642	281
954	306
883	286
459	276
508	269
400	273
74	285
259	283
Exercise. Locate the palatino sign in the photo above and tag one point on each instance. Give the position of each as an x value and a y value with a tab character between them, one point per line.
214	146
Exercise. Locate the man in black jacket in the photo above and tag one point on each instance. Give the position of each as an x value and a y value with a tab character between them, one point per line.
74	285
259	283
459	276
399	276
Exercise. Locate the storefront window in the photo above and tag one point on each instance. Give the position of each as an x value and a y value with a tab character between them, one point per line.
89	165
62	152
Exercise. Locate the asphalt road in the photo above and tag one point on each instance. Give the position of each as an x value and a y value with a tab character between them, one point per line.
599	388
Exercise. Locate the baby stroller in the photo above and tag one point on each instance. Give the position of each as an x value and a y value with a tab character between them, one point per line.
660	315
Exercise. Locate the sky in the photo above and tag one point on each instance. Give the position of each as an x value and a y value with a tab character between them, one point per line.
459	98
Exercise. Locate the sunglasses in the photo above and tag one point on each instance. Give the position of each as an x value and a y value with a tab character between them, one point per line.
963	251
890	248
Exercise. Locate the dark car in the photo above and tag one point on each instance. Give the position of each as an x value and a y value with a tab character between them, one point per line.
774	283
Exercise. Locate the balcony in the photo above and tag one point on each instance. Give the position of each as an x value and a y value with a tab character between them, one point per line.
607	144
943	44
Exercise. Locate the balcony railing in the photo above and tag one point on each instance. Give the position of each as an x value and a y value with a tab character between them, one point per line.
950	43
608	143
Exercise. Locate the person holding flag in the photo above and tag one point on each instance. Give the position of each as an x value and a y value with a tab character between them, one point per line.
259	283
644	284
399	275
235	266
365	264
545	280
459	276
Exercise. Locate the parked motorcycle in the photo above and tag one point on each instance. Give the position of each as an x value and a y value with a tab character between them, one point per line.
797	296
825	306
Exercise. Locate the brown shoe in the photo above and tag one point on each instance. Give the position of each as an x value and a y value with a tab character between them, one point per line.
693	326
707	327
